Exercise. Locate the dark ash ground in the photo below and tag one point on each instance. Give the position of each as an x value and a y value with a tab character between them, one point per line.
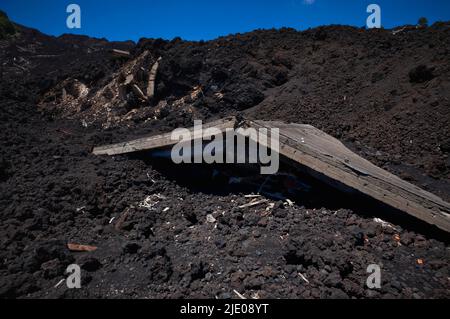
385	96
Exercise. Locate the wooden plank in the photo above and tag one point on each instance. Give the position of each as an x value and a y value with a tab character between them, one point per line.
137	90
152	79
157	141
327	156
81	248
121	53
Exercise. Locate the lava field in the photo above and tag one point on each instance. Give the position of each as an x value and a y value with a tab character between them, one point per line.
162	231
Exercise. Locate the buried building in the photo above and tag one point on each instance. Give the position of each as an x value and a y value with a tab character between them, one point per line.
311	151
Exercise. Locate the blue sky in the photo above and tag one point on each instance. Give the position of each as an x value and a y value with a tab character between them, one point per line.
208	19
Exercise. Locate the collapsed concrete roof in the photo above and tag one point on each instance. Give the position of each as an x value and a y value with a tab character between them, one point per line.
326	159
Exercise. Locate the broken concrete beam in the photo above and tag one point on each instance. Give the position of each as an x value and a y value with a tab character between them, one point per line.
120	53
152	79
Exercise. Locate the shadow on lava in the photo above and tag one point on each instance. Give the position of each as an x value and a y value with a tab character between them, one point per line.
291	182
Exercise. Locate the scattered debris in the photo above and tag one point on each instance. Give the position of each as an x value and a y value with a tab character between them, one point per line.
59	283
122	219
219	95
252	196
289	202
239	295
121	53
81	248
151	201
254	203
384	224
394	32
137	90
210	218
303	277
